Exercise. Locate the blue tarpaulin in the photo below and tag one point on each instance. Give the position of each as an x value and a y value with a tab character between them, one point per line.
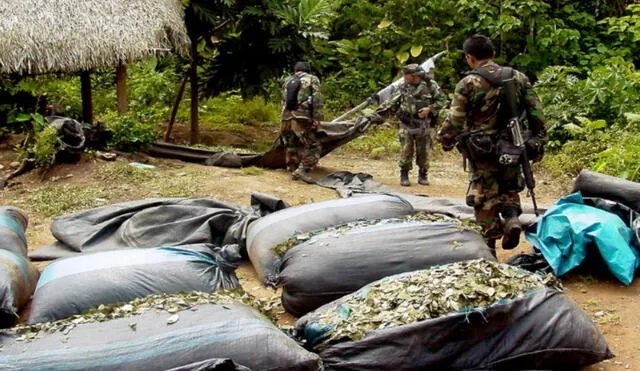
570	228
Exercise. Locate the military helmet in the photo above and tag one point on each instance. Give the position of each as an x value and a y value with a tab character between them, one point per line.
414	69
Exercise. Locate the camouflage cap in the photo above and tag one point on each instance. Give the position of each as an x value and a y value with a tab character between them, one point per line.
413	69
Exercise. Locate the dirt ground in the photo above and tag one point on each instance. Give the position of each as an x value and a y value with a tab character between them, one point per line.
612	306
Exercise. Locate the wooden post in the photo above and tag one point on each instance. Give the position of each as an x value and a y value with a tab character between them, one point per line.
176	105
194	92
87	101
121	87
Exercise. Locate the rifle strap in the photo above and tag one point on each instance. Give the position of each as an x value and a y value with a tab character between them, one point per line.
496	82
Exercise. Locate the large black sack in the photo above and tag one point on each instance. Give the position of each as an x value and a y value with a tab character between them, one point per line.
13	223
155	222
233	331
266	233
544	330
72	285
330	264
18	279
592	184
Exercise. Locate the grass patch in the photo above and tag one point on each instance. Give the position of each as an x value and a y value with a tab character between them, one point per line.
251	170
62	199
120	172
378	142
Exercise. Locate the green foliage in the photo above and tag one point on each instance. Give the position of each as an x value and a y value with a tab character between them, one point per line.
230	111
380	141
44	148
134	130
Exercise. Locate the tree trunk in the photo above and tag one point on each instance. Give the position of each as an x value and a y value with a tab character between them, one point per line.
174	111
87	101
121	87
194	92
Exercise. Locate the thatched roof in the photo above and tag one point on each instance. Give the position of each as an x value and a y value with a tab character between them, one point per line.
40	36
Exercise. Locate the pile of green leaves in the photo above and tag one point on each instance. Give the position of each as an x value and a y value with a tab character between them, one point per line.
169	303
426	294
339	230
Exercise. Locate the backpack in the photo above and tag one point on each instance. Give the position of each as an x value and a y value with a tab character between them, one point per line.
292	89
497	82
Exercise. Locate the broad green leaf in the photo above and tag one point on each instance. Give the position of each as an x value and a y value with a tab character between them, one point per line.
402	57
384	23
416	50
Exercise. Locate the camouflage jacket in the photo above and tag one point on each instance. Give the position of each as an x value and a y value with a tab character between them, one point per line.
309	98
476	104
411	98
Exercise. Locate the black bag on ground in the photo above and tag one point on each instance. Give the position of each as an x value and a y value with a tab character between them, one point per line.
13	223
72	285
266	233
233	331
544	330
18	279
330	264
155	222
592	184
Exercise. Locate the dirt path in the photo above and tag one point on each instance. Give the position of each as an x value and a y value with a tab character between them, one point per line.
612	306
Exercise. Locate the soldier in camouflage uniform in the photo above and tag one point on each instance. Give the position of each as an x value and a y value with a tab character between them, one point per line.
494	188
416	105
300	122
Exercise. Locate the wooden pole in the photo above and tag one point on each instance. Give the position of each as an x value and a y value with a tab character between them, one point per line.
87	101
194	92
121	87
176	104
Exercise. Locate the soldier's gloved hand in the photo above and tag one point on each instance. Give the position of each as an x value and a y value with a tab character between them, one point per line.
535	150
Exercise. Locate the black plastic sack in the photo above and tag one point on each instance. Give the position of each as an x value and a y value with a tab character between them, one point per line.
18	279
542	331
72	285
13	223
330	264
232	331
266	233
592	184
155	222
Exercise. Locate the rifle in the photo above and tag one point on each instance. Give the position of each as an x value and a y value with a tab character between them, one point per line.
514	125
384	94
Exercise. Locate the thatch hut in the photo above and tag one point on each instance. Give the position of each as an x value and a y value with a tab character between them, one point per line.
70	36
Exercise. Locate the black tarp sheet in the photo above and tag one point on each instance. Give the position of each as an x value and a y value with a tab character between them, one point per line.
153	223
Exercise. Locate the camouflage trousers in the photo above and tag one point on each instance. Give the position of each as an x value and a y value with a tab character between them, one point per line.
302	147
410	143
491	192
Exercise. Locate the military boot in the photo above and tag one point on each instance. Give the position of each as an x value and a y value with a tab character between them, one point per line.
512	229
422	177
302	174
404	178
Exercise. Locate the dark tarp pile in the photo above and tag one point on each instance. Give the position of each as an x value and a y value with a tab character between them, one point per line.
158	340
18	277
72	285
153	223
540	330
592	184
335	263
270	231
330	135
